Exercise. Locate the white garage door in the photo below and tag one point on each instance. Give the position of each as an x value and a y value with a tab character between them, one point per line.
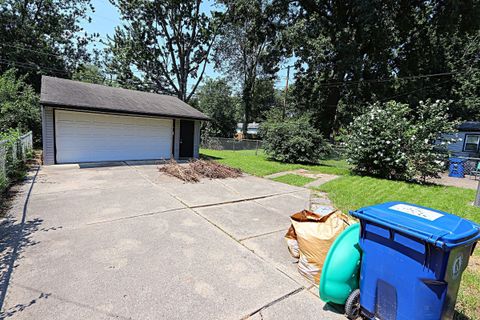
87	137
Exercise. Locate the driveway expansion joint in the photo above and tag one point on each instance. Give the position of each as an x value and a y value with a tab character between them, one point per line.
294	292
198	206
261	235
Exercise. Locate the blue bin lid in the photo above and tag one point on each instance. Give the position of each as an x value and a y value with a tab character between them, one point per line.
439	228
456	160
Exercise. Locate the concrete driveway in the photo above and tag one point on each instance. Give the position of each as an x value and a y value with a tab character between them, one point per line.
127	242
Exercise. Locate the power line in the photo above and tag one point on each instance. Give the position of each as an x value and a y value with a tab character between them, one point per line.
413	91
29	66
32	50
420	76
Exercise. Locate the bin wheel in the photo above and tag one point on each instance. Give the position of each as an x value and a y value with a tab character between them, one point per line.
352	306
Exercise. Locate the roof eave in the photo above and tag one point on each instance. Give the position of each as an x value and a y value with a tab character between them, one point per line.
118	111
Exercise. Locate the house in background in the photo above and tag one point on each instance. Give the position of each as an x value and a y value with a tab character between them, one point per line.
467	142
83	122
252	131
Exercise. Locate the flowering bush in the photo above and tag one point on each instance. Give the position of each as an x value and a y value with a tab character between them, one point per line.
293	140
393	141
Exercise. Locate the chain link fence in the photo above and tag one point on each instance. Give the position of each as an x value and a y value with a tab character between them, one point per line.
231	144
471	166
338	151
13	153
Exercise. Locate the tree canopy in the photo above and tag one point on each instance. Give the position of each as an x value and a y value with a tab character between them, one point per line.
19	105
215	99
162	46
43	37
352	53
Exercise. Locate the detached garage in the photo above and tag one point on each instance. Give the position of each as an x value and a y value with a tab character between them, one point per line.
84	122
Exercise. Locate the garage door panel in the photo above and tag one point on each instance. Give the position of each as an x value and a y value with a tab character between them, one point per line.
83	137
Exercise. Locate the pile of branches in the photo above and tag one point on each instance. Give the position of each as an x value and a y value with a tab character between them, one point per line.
182	172
193	171
214	170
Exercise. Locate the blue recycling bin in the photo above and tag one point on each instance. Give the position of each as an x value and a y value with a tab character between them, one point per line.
413	260
456	168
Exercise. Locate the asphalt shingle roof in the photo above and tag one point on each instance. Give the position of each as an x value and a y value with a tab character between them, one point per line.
469	126
87	96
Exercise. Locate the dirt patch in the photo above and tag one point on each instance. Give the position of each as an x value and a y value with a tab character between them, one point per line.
474	263
195	170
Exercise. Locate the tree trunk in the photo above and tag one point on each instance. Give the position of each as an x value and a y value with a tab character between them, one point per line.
247	97
332	111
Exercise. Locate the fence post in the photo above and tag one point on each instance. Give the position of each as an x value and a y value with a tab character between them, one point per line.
14	151
3	155
22	147
477	198
256	147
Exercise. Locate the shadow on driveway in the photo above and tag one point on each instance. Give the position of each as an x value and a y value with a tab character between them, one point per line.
14	237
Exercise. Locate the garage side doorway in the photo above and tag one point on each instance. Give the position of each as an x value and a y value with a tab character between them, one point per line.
187	128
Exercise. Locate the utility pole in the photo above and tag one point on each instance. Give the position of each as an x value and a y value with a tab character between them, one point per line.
477	198
286	92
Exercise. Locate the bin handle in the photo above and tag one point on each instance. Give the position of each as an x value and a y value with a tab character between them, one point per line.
409	231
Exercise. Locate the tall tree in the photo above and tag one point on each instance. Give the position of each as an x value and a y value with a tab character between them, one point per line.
163	46
352	53
466	89
43	37
215	99
337	43
263	99
246	49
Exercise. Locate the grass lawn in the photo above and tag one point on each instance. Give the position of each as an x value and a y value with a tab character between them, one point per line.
259	165
353	192
294	180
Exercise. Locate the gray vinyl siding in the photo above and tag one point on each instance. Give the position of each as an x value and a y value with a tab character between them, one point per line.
456	148
196	140
176	141
48	135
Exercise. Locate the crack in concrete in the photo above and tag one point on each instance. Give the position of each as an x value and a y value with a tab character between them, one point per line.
241	200
136	216
271	303
261	235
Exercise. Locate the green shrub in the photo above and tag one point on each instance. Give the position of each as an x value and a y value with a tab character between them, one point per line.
293	140
391	140
15	167
19	105
3	183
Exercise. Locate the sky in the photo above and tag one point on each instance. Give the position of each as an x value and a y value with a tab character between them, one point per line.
106	17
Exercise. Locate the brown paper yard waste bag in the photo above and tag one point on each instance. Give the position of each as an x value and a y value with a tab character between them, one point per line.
310	237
